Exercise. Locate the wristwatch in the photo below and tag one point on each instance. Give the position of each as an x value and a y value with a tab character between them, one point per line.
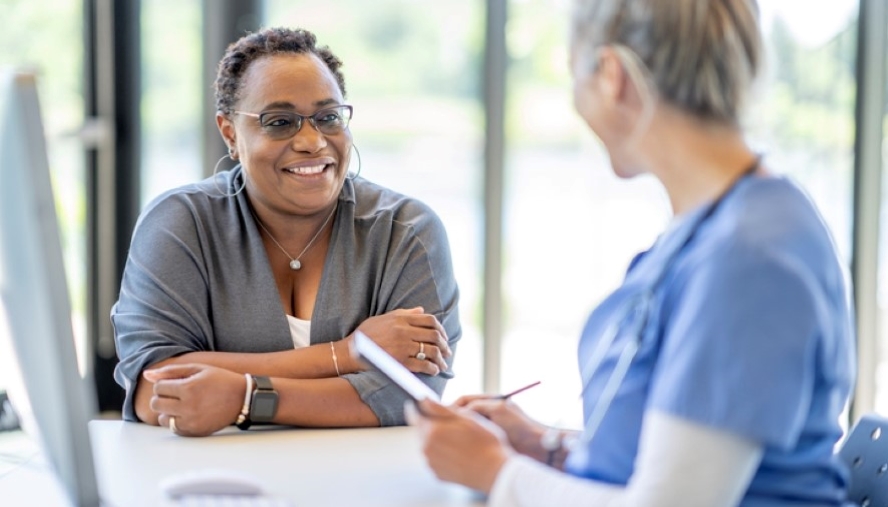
263	405
552	441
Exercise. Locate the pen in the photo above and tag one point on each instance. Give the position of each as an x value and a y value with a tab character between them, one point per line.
516	391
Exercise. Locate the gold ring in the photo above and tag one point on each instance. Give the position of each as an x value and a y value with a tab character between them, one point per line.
173	427
421	355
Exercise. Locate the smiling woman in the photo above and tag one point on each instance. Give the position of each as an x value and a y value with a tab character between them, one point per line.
242	292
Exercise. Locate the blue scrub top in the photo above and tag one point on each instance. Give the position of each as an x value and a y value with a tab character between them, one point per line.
749	331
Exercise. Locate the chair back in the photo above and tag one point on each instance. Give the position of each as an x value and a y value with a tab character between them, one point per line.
865	451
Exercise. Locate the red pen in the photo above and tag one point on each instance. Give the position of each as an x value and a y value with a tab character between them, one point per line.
516	391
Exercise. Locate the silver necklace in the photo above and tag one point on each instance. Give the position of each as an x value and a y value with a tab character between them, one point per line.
295	263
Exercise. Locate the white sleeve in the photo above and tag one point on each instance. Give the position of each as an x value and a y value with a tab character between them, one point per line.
679	463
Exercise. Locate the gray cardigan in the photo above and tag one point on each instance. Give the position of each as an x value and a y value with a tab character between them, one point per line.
198	279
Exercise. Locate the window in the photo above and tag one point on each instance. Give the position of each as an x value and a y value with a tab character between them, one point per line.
56	55
571	226
172	97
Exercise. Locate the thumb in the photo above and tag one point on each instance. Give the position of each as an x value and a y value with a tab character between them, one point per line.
172	371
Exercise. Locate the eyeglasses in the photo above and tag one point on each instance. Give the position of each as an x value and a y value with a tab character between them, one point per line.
285	124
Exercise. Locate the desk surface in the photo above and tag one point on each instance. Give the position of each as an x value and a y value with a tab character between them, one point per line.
335	467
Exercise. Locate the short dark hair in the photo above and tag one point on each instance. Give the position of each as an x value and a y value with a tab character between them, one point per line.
270	41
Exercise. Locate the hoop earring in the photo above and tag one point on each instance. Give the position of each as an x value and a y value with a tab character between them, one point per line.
352	176
216	181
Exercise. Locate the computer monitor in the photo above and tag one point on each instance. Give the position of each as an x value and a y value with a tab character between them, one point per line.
34	292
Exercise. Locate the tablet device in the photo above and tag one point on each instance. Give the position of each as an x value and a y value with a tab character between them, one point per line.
371	353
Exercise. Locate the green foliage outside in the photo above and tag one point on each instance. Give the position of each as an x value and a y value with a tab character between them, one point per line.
46	37
421	59
810	104
172	106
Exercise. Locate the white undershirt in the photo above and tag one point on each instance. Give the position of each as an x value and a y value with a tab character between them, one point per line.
679	463
300	331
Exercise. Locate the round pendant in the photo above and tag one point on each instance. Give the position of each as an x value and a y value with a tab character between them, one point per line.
295	264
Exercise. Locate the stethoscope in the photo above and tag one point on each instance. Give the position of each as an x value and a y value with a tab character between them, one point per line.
635	313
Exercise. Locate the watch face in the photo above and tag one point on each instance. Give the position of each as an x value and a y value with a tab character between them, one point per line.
264	406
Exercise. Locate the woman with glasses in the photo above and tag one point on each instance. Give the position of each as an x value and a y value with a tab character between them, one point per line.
241	292
717	373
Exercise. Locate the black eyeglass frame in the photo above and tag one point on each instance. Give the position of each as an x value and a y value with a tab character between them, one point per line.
344	111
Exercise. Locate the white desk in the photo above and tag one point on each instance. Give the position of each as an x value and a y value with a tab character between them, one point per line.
313	468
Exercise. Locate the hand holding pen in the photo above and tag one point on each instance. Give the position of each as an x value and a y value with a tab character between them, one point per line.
469	401
523	432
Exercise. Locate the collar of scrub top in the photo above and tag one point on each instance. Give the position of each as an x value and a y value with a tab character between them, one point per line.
633	315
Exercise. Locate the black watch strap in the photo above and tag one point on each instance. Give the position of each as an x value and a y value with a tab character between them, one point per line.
262	383
245	424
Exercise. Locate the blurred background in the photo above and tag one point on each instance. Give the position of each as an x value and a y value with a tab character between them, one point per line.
466	105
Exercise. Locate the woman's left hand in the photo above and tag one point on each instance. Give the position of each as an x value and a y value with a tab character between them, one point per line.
203	399
460	446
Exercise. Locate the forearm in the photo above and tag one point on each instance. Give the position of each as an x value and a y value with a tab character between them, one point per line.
331	402
313	362
679	463
525	483
304	402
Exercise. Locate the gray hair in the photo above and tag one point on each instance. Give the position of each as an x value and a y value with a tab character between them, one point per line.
700	55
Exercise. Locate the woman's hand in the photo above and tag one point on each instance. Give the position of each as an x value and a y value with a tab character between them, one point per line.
459	445
203	399
524	433
406	333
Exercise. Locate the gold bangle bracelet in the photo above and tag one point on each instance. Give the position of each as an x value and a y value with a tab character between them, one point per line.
335	360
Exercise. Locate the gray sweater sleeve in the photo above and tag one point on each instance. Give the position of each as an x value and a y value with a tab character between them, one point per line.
163	306
418	273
